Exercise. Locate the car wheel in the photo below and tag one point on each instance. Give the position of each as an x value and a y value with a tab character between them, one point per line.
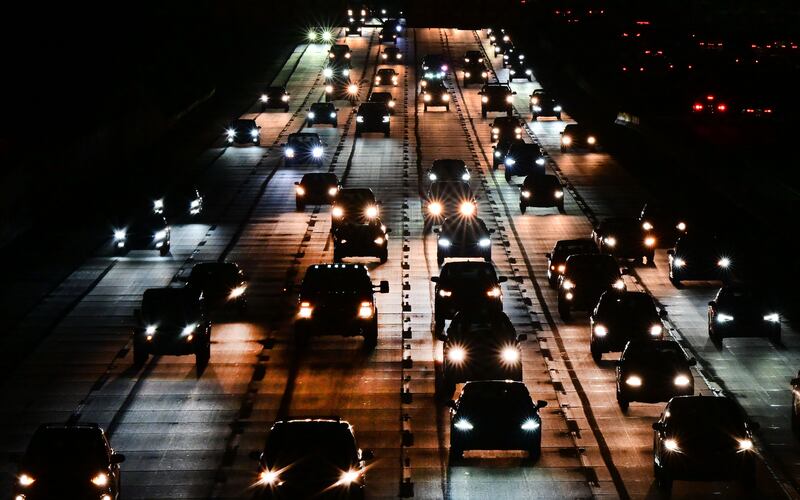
456	454
300	206
522	208
301	336
623	403
558	116
371	335
597	354
508	176
140	355
164	251
483	113
674	279
561	208
447	108
563	149
564	312
384	256
439	259
337	256
775	336
663	480
438	323
201	358
535	453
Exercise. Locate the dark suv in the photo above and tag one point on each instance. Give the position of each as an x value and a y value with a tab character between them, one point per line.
624	238
518	68
322	113
577	136
743	311
222	284
585	278
148	231
557	258
275	98
435	94
69	461
354	205
449	199
476	72
303	148
312	458
338	299
663	222
465	285
244	131
320	188
524	159
699	256
359	240
621	317
497	97
541	191
543	104
373	117
464	237
506	128
172	321
653	371
448	170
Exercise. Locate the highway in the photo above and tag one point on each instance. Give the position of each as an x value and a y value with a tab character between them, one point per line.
189	436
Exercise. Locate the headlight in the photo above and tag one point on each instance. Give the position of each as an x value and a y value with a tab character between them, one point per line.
467	74
445	97
530	425
268	477
359	119
337	212
484	242
101	479
426	97
188	329
345	72
435	208
158	205
160	235
724	318
745	444
558	193
305	310
391	104
619	285
333	115
463	425
534	100
600	330
444	242
311	35
237	292
525	193
120	234
445	293
432	176
494	292
540	161
285	98
647	226
327	72
254	132
347	56
25	480
528	72
512	72
377	79
567	285
773	318
591	140
510	355
610	241
566	140
329	89
456	354
264	98
300	190
509	99
317	152
510	161
497	154
484	74
495	131
467	209
327	36
311	115
386	119
372	212
353	88
682	380
678	262
349	477
561	268
656	330
365	310
557	109
333	191
634	381
671	445
681	226
289	152
230	132
384	56
150	330
465	176
724	262
649	241
484	99
379	240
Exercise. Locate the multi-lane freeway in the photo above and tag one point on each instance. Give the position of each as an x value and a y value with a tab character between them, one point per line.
192	436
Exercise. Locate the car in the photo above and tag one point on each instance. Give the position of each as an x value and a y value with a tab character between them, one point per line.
795	411
243	131
312	458
743	310
341	89
302	148
361	240
73	461
473	57
585	278
388	35
479	345
316	189
557	257
354	205
385	98
373	117
624	238
663	223
320	35
172	321
703	438
392	25
466	284
518	68
449	199
393	13
495	414
338	299
386	76
391	55
148	231
501	44
444	169
543	104
434	66
541	191
497	97
336	72
506	128
653	371
577	136
354	27
463	237
622	316
180	201
222	284
509	54
340	54
435	94
524	159
476	73
358	11
711	104
322	113
500	151
699	255
493	32
275	97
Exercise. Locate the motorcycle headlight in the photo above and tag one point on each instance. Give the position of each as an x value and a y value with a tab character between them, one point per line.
444	242
484	242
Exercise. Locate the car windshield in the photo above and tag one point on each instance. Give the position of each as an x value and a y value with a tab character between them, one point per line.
303	140
464	226
468	272
355	197
170	306
243	125
598	267
655	352
275	91
452	167
372	109
706	414
629	227
385	72
496	91
697	244
495	396
435	86
632	306
542	182
296	442
525	152
322	107
73	448
204	275
147	224
339	50
380	97
320	179
481	326
336	279
565	249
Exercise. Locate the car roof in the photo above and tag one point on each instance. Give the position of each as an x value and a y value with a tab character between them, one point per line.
242	122
372	106
339	268
449	163
320	177
472	222
381	95
304	135
323	105
459	264
276	89
489	387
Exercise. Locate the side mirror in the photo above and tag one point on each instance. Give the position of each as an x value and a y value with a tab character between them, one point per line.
662	313
388	230
441	336
451	404
795	381
753	426
436	230
367	455
712	303
435	279
502	279
670	251
384	287
548	256
541	404
297	183
522	337
658	426
255	455
492	231
117	458
692	362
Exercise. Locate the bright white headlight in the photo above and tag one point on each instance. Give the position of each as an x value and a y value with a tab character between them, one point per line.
484	242
289	152
327	72
444	242
188	329
724	262
510	161
465	176
724	318
333	115
656	330
432	177
160	235
359	119
557	108
634	381
254	132
682	380
456	354
386	119
510	355
463	425
540	161
120	234
317	152
530	425
312	115
600	331
773	318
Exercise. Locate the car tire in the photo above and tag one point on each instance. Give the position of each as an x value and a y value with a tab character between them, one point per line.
455	455
164	251
371	335
425	108
564	312
384	256
301	337
674	280
522	208
508	176
623	403
439	259
534	117
663	479
202	357
447	108
535	453
558	116
483	113
337	256
597	354
438	323
300	207
561	208
140	355
775	336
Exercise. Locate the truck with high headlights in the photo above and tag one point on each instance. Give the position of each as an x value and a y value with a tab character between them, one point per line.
450	199
541	191
318	188
172	321
362	240
275	97
543	104
584	279
621	317
524	159
704	438
578	137
624	238
148	231
497	97
466	284
742	310
373	117
303	148
463	237
322	113
243	131
700	255
557	257
354	206
222	284
311	457
435	94
338	299
495	415
653	371
479	345
447	169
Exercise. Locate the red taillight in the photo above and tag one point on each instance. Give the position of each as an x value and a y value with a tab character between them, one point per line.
709	97
698	107
767	110
722	108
